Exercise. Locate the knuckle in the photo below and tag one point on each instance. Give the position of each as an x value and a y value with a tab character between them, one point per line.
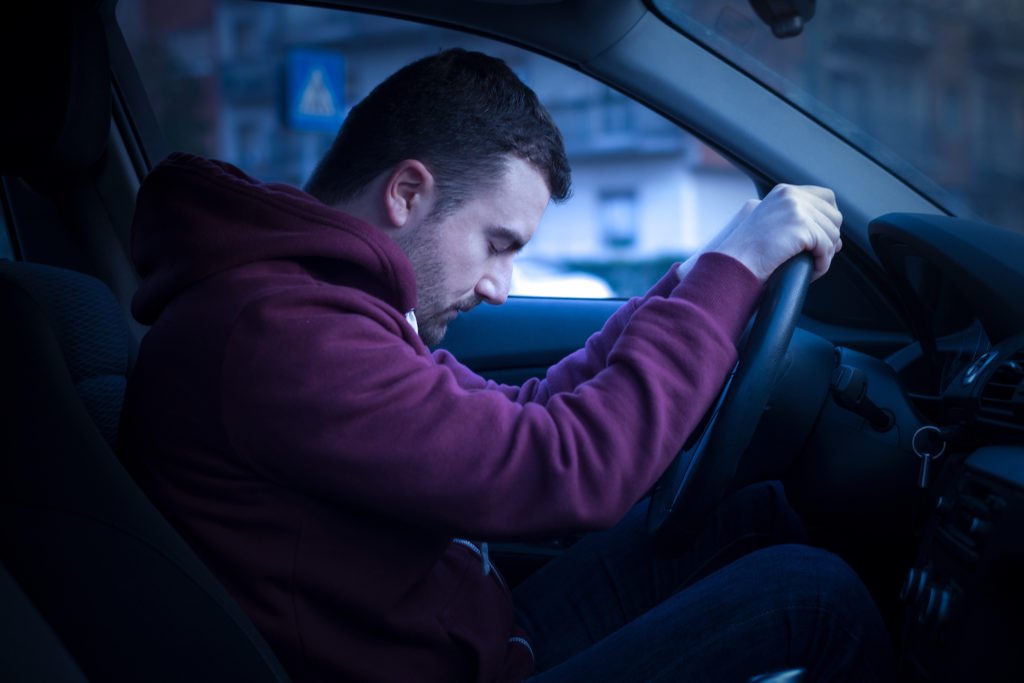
786	203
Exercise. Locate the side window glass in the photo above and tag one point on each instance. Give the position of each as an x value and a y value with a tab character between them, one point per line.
265	87
6	248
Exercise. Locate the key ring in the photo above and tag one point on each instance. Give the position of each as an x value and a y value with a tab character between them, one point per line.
917	449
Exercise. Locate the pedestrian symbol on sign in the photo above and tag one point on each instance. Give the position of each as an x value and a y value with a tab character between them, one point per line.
315	96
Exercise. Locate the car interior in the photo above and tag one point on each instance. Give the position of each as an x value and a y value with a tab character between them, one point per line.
893	410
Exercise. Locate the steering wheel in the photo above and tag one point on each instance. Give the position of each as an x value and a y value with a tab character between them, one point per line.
704	470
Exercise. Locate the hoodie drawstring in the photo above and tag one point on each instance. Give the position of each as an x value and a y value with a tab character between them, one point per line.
481	552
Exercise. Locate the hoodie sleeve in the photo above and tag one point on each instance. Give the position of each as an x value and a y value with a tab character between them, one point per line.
575	368
357	415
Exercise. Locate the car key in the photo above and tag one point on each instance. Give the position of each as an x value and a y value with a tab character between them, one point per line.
926	461
929	444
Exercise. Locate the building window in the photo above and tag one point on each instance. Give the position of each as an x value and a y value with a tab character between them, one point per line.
246	38
616	113
617	211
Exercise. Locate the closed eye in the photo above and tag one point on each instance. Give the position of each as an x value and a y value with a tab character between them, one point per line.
504	241
500	250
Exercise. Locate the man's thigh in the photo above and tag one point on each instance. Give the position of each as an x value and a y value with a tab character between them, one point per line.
779	608
611	578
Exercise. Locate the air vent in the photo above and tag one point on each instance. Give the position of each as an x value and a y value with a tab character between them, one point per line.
1002	398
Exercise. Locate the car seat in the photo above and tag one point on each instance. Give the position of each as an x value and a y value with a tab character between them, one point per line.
31	650
103	585
122	591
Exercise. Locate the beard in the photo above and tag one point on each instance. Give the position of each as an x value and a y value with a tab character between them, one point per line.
434	310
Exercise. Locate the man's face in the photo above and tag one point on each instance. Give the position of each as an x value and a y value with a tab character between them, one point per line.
466	256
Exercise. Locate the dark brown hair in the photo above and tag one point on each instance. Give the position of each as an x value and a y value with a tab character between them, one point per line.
461	114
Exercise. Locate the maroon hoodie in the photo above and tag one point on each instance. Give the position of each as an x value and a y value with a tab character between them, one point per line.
327	466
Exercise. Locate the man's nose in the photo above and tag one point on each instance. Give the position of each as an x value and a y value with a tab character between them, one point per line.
494	285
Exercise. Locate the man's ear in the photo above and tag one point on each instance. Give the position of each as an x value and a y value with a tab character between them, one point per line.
409	193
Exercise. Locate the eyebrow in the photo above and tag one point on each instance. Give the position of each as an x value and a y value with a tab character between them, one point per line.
513	239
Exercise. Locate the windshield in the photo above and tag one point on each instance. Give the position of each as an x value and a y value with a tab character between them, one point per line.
934	91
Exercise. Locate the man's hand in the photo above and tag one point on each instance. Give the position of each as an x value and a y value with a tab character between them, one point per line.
719	237
789	220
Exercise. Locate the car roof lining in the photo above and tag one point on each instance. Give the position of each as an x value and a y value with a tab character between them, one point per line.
571	31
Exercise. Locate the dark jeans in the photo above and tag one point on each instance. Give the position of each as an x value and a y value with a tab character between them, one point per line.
734	604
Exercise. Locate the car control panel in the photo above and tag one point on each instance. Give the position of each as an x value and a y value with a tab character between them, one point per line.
964	597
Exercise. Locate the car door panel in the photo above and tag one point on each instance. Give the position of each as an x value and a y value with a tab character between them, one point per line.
522	338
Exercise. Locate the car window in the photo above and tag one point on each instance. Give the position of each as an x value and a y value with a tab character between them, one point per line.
265	87
6	248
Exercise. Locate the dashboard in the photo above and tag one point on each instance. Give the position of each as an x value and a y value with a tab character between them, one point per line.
942	542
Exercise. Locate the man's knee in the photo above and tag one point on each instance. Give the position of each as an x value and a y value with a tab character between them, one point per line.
809	574
815	579
828	607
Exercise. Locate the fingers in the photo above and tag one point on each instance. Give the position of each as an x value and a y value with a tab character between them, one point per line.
789	220
815	209
823	250
822	222
820	199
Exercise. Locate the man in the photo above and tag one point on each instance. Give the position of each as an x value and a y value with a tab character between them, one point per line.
288	417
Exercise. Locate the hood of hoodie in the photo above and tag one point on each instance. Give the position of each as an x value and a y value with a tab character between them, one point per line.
195	218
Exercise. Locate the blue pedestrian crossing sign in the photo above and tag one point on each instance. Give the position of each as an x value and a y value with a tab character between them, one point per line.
315	90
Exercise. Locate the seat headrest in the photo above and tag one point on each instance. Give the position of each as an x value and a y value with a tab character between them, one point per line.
56	81
97	345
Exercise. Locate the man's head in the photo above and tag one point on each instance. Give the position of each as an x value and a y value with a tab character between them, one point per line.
455	158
